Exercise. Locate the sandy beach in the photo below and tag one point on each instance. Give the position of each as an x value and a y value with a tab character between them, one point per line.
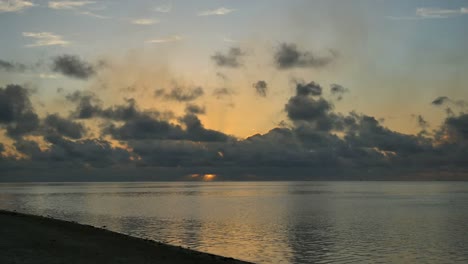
36	239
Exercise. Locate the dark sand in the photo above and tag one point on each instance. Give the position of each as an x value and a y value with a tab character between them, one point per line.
36	239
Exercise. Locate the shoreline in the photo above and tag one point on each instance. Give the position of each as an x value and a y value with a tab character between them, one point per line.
26	238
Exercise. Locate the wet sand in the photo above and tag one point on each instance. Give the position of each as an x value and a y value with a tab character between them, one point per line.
36	239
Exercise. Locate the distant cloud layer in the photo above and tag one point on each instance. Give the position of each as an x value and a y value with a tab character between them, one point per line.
308	140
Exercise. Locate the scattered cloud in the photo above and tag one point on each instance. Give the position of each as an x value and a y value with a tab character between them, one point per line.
338	91
73	66
216	12
195	109
14	5
261	88
231	59
289	56
45	39
68	4
440	100
165	40
12	66
222	92
144	21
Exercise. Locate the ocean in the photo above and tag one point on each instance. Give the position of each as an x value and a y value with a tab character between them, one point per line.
270	222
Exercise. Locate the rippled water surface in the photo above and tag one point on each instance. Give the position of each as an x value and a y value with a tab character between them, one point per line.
271	222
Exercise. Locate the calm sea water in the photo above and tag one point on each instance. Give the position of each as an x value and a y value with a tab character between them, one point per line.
271	222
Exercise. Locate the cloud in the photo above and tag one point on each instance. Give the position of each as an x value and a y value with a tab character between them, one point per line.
230	60
165	40
181	94
422	123
57	125
165	8
216	12
289	56
222	92
68	4
455	129
16	112
45	39
91	14
261	88
195	131
14	5
443	100
306	108
432	12
12	66
88	105
144	21
439	12
75	153
305	89
440	100
315	140
338	91
195	109
73	66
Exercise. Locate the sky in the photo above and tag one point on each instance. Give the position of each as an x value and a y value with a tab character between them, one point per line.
340	88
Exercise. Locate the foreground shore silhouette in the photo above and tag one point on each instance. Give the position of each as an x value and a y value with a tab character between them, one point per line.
36	239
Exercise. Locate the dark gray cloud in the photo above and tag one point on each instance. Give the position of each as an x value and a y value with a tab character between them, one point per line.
73	66
456	128
289	56
54	124
440	100
77	153
180	94
303	106
338	91
307	108
195	109
88	105
16	111
261	87
305	89
232	59
12	66
195	131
